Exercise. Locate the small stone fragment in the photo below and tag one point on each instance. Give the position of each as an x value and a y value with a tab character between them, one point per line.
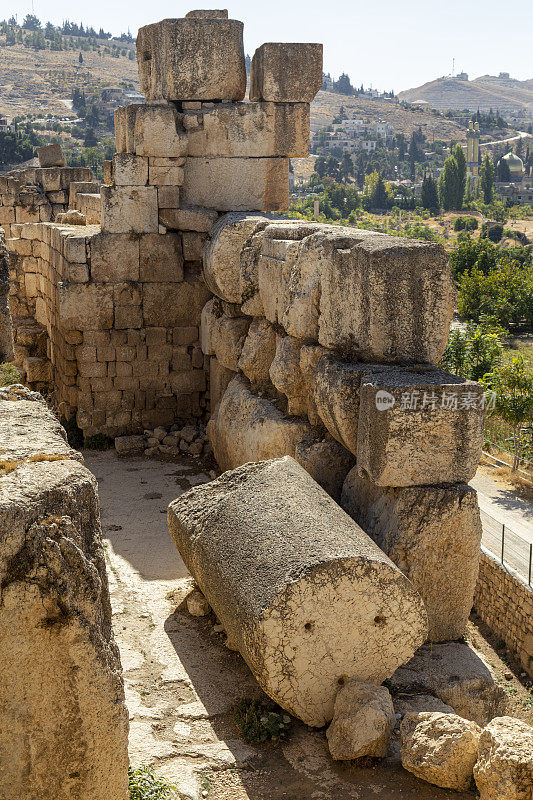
504	767
440	748
197	605
363	721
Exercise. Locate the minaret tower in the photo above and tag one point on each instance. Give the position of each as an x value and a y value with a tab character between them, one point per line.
472	152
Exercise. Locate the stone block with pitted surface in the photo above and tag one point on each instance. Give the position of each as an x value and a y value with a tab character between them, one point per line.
286	73
284	619
193	58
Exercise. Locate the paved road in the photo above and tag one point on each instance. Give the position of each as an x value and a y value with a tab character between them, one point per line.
500	506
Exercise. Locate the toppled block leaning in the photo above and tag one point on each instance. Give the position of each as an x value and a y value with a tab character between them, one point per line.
307	598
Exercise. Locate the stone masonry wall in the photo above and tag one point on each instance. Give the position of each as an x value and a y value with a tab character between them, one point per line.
505	603
119	317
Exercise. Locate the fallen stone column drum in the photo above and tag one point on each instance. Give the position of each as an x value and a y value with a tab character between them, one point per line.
303	593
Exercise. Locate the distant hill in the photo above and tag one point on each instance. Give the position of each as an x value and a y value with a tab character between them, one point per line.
38	81
326	107
500	93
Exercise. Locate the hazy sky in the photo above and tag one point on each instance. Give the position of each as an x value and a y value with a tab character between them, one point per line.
386	43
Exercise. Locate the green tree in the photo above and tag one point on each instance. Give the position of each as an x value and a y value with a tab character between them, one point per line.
487	179
90	139
346	166
429	196
448	185
31	22
460	160
375	192
503	171
343	85
512	385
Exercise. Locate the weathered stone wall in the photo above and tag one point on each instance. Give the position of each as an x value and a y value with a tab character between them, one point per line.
6	329
505	603
64	731
121	309
321	342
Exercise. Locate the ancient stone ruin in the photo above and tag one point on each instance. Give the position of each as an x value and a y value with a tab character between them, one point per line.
64	722
178	292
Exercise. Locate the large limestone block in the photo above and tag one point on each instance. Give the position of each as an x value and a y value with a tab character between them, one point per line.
128	209
433	534
286	375
170	305
303	594
408	426
336	394
504	767
419	425
192	59
192	218
249	130
114	257
161	258
258	353
157	134
228	337
440	748
237	184
246	427
130	170
86	306
27	427
51	155
222	256
64	731
283	72
327	461
457	675
125	127
363	722
368	296
384	298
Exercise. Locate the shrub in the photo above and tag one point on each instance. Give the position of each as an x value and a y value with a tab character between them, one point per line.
145	785
492	231
259	723
474	351
9	374
504	295
470	252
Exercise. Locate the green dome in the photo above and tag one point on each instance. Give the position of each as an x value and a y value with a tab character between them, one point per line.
515	164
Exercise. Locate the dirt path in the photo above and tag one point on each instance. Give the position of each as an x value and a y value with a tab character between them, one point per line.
181	680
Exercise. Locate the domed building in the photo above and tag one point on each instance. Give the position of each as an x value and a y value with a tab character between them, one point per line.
516	166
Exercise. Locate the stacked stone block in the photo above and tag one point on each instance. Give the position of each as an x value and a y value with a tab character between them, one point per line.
118	312
322	342
38	194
